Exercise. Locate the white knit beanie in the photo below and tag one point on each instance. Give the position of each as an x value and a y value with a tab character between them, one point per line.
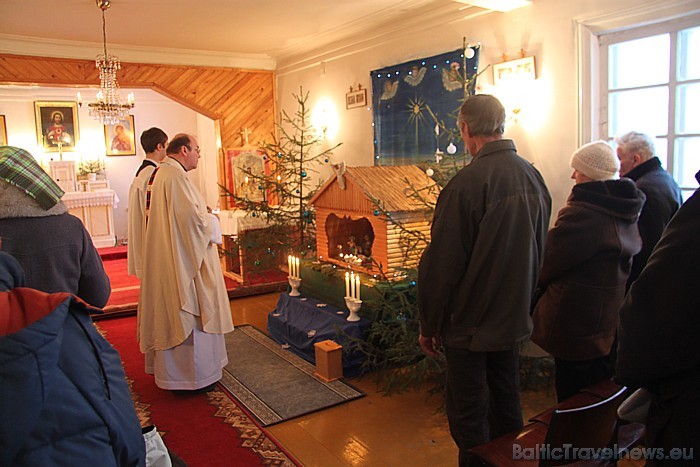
597	161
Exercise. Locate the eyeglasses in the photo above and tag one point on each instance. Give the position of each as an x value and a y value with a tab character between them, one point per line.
199	151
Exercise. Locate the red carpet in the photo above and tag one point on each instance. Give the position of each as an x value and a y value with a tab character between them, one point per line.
125	288
203	429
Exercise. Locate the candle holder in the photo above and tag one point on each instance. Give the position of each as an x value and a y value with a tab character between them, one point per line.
294	283
353	305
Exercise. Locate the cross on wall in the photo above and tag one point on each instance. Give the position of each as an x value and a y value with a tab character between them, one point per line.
245	133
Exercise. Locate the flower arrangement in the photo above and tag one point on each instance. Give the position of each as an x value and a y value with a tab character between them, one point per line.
93	166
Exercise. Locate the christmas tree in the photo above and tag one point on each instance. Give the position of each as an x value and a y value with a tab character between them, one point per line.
287	185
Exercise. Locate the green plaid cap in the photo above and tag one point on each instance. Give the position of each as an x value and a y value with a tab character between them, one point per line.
19	168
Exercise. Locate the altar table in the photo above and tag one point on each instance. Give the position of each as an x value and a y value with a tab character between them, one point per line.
96	210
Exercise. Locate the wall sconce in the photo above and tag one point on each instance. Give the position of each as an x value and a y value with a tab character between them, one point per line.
324	118
512	80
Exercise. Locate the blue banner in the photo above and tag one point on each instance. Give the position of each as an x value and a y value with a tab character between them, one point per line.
416	103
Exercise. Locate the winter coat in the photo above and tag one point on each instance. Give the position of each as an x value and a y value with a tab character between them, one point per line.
586	265
658	344
53	247
64	399
475	279
663	200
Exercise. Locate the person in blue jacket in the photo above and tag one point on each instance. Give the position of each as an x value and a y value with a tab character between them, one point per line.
64	398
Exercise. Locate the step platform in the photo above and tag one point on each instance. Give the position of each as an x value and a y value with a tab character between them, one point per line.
300	322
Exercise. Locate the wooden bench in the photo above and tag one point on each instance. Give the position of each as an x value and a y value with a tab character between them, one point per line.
586	420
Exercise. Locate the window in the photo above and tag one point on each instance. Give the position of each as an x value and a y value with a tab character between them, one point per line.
650	82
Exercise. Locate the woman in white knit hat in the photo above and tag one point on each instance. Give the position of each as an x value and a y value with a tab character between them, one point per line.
587	260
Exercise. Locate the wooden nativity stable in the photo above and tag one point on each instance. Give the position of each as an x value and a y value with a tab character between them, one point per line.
352	231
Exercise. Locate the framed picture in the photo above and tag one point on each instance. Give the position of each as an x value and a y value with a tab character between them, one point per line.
356	98
519	70
3	131
242	165
57	125
119	138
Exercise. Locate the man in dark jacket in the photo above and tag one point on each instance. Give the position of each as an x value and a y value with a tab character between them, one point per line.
637	161
658	346
477	276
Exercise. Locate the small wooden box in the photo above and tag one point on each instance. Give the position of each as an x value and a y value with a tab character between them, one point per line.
329	360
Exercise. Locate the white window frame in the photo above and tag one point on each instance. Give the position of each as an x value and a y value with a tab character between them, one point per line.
671	28
588	32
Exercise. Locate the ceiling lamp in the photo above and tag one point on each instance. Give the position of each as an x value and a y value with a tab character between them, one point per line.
497	5
109	108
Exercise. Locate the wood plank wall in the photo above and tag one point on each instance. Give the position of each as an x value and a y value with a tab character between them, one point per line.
234	98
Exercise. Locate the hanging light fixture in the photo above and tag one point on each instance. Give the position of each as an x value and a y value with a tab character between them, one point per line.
109	108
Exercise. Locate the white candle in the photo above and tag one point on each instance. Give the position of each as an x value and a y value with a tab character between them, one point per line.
289	265
352	285
357	287
347	284
296	267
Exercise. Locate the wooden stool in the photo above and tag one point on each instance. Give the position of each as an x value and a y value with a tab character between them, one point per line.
329	360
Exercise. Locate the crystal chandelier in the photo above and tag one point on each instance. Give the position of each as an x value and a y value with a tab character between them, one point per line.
109	108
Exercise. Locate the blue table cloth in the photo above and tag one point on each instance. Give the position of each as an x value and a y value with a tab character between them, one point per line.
300	322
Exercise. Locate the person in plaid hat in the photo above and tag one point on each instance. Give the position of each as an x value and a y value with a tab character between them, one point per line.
53	246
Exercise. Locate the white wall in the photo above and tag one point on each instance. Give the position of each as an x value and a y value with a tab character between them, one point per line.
547	128
152	109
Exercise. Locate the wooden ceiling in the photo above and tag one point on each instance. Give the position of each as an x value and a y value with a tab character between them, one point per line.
234	98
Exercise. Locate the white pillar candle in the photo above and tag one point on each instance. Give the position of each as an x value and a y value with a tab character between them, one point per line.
357	287
347	284
296	267
352	285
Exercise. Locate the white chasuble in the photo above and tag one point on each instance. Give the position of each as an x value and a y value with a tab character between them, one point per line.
182	283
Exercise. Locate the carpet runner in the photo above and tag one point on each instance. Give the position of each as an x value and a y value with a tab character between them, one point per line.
203	429
125	288
273	383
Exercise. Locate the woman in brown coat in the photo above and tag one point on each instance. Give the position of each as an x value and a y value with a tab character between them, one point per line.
586	264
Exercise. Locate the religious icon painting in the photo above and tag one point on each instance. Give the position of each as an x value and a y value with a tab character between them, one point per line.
57	125
119	138
244	169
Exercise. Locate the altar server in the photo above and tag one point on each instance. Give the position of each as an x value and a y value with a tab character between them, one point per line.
153	142
184	310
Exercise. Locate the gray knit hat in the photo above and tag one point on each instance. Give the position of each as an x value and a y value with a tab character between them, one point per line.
597	161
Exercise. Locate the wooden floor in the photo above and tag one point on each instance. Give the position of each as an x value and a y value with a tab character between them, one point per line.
376	430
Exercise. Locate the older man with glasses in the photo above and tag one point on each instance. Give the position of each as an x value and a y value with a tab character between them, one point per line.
184	310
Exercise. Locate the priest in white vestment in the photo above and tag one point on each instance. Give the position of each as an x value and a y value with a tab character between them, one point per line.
185	309
153	142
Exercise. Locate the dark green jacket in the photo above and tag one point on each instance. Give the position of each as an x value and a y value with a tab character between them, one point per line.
476	278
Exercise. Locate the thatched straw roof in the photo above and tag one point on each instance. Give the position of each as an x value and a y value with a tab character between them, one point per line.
393	186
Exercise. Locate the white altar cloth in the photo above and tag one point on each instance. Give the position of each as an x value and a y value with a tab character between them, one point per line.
233	222
75	199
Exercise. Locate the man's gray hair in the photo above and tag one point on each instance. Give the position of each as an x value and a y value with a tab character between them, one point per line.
635	142
484	114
